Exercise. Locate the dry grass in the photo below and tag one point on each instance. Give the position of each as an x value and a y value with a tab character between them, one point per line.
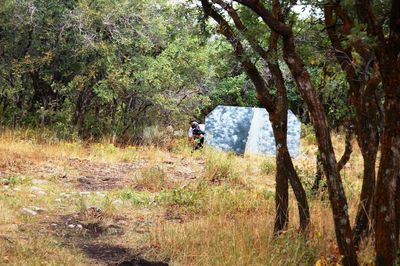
205	208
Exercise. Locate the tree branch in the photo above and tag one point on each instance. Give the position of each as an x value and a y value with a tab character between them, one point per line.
264	97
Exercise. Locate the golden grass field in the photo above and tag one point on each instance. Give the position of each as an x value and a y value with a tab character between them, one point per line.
97	204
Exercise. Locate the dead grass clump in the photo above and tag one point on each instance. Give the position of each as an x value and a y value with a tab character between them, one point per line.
244	240
37	249
152	178
219	168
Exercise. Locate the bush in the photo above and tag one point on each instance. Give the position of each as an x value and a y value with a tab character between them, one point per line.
267	167
219	168
151	178
136	197
308	134
178	196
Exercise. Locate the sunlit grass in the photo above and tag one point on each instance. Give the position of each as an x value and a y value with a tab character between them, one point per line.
220	212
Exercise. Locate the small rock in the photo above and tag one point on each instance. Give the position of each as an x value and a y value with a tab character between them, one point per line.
79	226
58	200
41	193
54	225
5	181
117	202
84	180
28	211
35	189
37	209
39	182
71	226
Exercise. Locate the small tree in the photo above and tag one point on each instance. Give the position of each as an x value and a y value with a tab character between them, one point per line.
277	106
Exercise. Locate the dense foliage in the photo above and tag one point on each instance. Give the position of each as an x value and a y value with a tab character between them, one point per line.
93	68
106	67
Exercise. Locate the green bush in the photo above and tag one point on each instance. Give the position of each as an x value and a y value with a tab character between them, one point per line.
267	167
178	196
219	168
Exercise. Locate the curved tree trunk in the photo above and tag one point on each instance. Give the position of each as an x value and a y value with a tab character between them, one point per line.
286	171
365	214
277	109
362	98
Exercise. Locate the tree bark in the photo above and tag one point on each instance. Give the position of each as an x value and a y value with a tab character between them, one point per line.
281	187
319	119
278	114
335	187
389	167
362	98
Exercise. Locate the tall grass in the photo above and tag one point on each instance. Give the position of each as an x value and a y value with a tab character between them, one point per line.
225	209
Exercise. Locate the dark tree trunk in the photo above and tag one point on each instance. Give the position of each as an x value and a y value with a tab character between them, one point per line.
337	196
285	167
389	167
281	187
277	110
364	213
286	171
319	173
362	99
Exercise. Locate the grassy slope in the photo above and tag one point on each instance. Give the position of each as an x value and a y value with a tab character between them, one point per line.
207	208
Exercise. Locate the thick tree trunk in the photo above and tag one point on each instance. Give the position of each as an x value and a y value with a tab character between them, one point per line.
389	167
319	120
365	214
281	187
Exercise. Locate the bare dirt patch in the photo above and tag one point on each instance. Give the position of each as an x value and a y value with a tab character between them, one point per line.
106	253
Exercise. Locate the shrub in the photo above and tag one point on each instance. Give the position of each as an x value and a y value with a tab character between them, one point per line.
136	197
177	196
267	167
219	168
151	178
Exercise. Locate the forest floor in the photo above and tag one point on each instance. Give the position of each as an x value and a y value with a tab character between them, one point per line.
72	203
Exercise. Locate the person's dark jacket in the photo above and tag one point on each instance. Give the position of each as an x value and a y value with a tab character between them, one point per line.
197	131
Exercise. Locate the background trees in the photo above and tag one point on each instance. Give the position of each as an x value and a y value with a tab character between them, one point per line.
100	67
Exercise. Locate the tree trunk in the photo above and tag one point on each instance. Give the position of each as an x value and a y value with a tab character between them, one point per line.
319	120
389	167
277	109
286	171
365	214
281	187
362	98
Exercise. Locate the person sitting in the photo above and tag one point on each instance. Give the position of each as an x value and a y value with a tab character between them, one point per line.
195	133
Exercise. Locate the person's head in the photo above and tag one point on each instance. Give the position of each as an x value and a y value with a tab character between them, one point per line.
194	124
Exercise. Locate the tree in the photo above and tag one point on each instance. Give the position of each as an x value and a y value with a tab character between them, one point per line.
276	106
363	78
276	22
